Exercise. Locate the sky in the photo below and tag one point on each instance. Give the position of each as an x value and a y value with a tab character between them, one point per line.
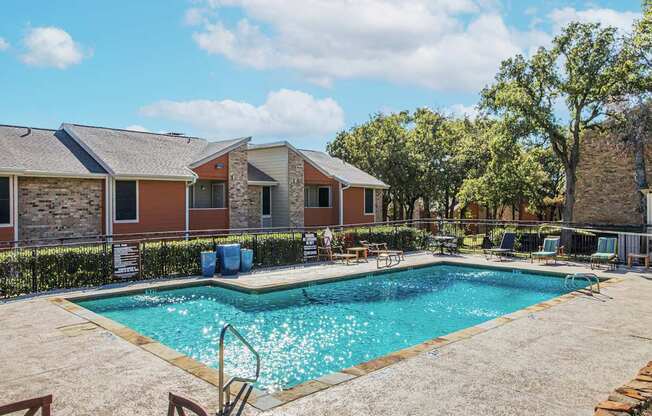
296	70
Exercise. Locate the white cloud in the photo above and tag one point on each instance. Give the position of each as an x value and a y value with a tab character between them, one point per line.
461	110
439	44
51	47
608	17
4	45
284	114
137	127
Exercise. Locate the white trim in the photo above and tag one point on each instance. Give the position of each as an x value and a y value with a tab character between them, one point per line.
115	220
220	153
262	183
207	209
68	128
15	207
135	177
187	208
373	202
10	180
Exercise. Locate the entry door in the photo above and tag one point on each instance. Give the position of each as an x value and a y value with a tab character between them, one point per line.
266	206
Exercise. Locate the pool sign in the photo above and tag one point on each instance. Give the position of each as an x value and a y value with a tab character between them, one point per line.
126	260
309	245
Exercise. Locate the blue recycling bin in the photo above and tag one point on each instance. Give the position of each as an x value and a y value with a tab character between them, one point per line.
229	258
208	259
246	260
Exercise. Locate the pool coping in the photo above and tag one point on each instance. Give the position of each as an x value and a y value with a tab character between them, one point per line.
262	400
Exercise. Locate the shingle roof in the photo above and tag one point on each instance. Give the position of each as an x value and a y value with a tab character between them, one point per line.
140	154
33	150
256	175
341	170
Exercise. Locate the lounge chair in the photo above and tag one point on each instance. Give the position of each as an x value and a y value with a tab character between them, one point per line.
332	253
606	253
549	250
506	247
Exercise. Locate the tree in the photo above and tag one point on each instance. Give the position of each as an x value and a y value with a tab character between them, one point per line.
380	147
512	175
550	196
581	72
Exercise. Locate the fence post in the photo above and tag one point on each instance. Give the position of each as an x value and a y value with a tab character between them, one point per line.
34	272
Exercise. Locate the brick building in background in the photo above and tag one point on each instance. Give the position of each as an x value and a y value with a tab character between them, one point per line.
84	181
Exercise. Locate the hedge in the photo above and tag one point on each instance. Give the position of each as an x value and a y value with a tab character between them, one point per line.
28	270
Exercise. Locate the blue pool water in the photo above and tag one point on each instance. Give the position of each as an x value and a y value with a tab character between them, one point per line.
307	332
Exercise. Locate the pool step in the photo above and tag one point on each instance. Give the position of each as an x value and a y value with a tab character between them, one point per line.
227	404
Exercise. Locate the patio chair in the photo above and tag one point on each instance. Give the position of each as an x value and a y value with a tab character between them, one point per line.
549	250
32	406
179	404
333	253
376	249
606	253
506	247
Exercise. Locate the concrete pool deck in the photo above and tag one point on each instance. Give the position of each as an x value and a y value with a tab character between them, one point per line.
559	360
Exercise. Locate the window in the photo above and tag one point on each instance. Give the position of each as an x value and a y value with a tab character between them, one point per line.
126	200
5	201
267	201
368	201
317	196
208	194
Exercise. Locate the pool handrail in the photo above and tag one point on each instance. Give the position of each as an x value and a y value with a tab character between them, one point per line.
227	407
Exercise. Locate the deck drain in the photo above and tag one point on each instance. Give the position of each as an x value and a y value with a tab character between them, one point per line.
433	354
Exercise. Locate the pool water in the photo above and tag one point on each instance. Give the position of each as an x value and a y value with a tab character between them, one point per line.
307	332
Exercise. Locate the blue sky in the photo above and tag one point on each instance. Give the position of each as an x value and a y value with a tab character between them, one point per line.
298	70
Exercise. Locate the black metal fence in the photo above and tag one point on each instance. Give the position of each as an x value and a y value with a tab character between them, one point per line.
30	267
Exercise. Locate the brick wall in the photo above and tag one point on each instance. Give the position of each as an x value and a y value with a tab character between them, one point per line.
238	188
59	207
606	191
255	207
295	189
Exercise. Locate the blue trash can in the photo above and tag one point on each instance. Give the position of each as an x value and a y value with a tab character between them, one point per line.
208	259
246	260
229	258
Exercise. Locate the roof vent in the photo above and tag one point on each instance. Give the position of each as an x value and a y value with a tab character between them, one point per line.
173	133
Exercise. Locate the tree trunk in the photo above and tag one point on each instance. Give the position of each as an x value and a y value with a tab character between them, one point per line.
569	195
446	204
639	174
426	207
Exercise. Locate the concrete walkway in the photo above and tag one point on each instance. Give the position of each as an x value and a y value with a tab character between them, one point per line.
559	361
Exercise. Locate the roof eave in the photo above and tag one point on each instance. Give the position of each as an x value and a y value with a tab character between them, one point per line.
68	128
222	152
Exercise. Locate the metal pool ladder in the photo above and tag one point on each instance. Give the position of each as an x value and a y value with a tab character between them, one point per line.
591	278
226	404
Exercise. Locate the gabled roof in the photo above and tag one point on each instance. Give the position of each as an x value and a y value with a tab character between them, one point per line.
330	166
256	175
127	153
342	171
37	151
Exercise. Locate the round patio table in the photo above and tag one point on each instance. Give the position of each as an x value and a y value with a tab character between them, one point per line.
441	241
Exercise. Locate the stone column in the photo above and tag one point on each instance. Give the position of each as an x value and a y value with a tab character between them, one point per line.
238	188
295	189
255	207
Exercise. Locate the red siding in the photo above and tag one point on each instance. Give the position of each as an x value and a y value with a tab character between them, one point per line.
6	233
354	207
209	219
161	207
314	217
209	170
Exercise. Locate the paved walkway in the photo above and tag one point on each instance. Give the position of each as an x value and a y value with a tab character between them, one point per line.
559	361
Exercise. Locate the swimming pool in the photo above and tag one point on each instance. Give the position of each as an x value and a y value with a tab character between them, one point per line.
304	333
